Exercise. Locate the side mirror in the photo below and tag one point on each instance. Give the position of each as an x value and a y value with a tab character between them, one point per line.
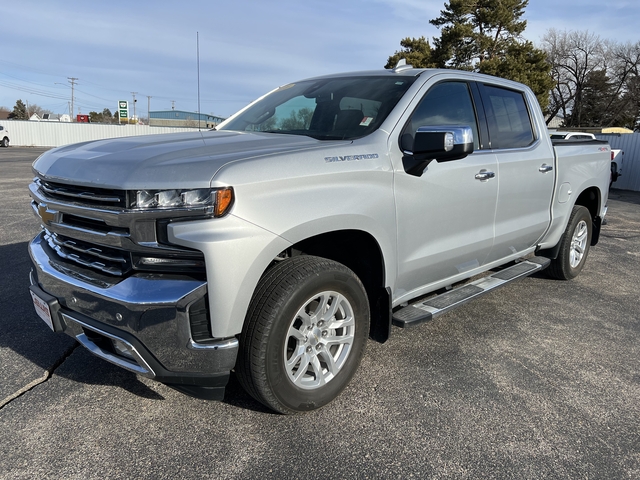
442	143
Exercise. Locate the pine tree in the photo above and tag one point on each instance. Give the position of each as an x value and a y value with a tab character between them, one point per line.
416	51
523	63
19	111
475	31
483	36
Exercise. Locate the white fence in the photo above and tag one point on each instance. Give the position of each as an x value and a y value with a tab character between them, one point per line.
53	134
629	143
24	133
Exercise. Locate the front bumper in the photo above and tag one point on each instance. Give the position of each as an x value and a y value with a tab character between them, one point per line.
140	323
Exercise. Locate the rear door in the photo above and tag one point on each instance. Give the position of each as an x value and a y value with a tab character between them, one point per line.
525	172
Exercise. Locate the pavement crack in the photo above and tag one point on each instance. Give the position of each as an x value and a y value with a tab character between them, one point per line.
40	380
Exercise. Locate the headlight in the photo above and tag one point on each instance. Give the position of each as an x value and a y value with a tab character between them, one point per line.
213	201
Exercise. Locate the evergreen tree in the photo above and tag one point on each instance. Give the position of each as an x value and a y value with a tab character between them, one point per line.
416	51
95	117
482	36
475	31
596	94
523	63
19	111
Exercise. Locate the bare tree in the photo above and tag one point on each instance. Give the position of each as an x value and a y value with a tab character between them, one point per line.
625	104
573	56
37	109
591	73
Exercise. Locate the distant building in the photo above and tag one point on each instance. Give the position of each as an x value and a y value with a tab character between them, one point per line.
180	118
556	122
50	117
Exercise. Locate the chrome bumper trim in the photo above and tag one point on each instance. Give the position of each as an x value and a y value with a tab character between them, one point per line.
141	367
152	309
227	344
140	291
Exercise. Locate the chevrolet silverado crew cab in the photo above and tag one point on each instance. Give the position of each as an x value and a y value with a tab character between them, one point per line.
320	215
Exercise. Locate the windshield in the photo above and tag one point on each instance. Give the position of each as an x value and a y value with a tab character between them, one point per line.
326	109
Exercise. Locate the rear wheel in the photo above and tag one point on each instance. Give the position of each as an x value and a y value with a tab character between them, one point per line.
5	142
304	334
574	246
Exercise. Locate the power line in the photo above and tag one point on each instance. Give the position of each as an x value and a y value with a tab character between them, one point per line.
31	90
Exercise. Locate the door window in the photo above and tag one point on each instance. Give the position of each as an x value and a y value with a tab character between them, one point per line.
446	103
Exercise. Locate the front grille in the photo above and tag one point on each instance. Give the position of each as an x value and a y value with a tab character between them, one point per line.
93	225
105	259
91	229
86	195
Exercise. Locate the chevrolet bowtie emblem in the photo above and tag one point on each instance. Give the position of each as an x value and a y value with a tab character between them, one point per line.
46	215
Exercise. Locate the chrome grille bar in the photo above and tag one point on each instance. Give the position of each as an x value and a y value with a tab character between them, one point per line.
82	193
94	251
88	256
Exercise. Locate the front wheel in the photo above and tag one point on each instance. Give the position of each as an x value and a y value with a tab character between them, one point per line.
5	142
574	246
304	334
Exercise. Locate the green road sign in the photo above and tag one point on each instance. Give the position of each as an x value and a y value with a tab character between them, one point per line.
123	108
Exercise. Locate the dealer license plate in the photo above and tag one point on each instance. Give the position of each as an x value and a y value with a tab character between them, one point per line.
42	309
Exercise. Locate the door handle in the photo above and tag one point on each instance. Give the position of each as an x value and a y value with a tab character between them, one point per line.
544	168
484	175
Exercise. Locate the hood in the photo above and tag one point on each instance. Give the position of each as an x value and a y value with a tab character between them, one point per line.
179	160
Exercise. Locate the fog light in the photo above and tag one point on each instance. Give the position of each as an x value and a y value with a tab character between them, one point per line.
123	349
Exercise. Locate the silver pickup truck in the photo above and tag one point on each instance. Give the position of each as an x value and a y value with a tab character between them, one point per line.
320	215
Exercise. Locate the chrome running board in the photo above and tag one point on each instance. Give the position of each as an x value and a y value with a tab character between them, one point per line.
425	310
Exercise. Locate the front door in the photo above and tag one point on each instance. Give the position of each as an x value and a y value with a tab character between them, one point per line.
445	216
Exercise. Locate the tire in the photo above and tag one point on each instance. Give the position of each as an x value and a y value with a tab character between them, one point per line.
574	246
304	334
5	142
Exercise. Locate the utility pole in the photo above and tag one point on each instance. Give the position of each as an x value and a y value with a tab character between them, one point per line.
135	119
148	109
72	81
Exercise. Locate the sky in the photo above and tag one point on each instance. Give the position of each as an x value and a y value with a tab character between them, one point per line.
246	48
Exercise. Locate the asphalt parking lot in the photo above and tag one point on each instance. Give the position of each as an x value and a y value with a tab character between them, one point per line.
540	379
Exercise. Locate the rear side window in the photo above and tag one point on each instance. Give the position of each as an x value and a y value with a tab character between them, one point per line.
508	118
